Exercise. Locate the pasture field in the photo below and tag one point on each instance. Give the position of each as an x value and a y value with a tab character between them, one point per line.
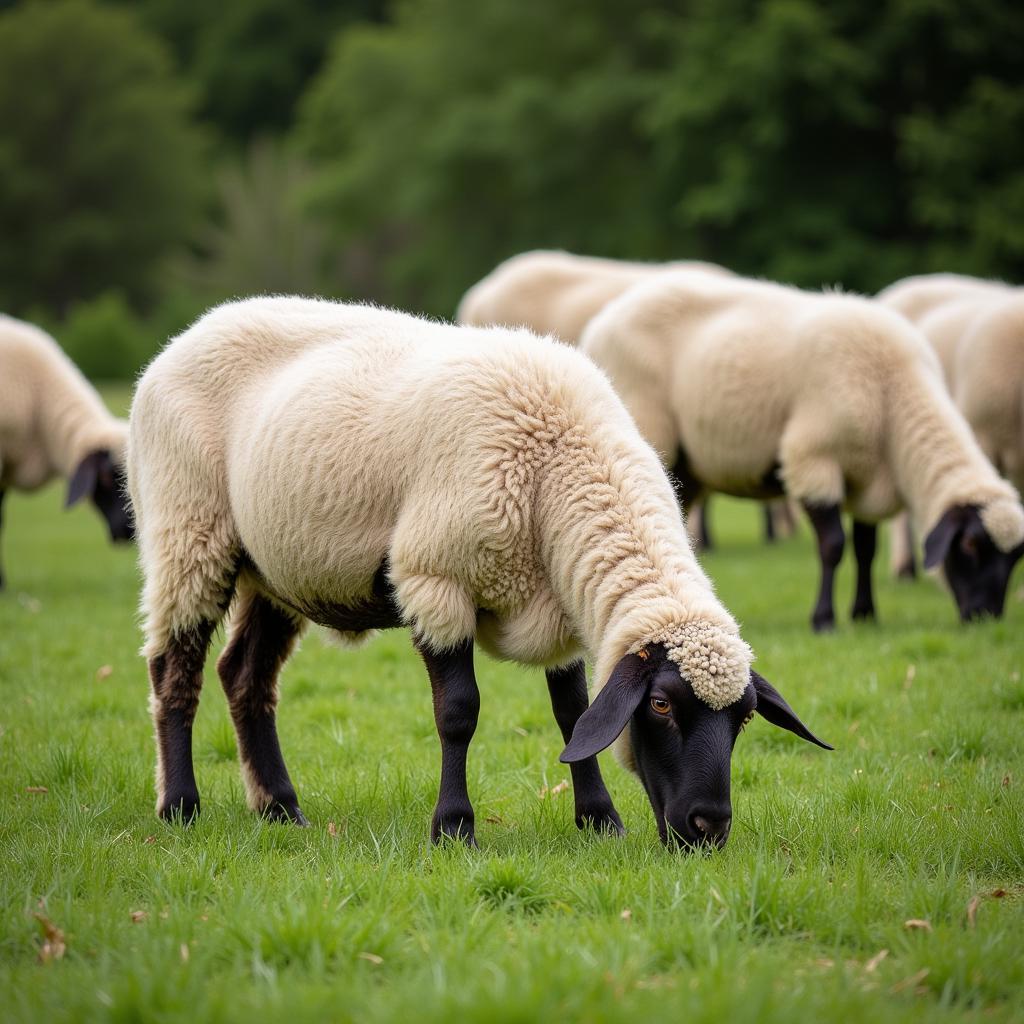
918	816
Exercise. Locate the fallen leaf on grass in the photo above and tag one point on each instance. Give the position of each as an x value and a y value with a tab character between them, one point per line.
972	910
149	839
184	950
873	963
560	787
138	916
917	924
332	830
912	981
36	789
372	957
627	914
998	894
54	944
104	672
494	819
908	680
1007	779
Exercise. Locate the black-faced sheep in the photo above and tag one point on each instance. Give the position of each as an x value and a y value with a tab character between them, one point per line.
755	388
365	469
53	423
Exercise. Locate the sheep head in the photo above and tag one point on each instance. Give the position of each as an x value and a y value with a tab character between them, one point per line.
682	746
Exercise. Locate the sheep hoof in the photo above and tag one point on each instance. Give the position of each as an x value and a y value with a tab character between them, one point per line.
863	614
286	813
907	572
453	828
823	623
183	809
604	820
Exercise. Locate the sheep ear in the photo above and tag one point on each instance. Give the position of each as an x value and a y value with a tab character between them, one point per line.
772	706
601	723
85	477
939	541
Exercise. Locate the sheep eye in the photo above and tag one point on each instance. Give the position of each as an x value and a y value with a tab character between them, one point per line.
661	706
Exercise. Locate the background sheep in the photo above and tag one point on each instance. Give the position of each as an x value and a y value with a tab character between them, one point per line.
53	423
752	388
365	469
977	330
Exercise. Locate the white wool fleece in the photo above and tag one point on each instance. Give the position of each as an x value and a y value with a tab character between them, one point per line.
496	472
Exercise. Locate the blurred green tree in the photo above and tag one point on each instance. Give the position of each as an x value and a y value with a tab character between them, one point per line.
251	60
801	140
100	167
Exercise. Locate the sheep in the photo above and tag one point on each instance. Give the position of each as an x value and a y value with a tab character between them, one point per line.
365	469
755	388
977	330
53	423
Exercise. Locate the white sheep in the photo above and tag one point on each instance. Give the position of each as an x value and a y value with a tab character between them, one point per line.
754	387
53	423
976	328
366	469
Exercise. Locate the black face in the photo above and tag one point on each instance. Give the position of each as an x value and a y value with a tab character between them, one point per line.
682	747
101	479
978	573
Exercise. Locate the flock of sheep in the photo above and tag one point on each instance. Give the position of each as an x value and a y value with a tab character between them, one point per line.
519	482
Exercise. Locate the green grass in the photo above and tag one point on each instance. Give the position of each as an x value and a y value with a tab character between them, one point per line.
918	815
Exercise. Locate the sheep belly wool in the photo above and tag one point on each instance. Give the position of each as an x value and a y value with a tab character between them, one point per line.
495	474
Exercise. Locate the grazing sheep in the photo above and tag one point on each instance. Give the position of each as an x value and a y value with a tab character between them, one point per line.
52	423
976	328
366	470
760	388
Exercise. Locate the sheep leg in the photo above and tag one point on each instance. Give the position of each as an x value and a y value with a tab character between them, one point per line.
594	808
769	523
828	527
865	541
456	709
262	637
176	675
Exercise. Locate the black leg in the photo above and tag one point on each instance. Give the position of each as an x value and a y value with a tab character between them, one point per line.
703	510
865	541
262	638
456	709
594	808
769	523
828	527
177	678
2	493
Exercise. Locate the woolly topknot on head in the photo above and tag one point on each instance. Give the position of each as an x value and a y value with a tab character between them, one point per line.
715	662
1003	519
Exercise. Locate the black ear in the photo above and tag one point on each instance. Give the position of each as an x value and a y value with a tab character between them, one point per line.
85	477
938	542
602	722
772	706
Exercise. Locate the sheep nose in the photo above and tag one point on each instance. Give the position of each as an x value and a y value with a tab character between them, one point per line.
710	825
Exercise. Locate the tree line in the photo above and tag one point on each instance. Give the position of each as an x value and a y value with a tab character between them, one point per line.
161	155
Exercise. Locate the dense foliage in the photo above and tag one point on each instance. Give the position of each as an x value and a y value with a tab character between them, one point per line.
397	151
